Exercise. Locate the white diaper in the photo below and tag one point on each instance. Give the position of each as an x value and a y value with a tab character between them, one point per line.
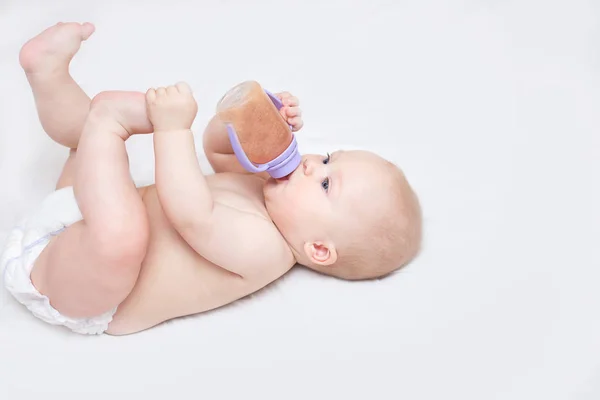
24	245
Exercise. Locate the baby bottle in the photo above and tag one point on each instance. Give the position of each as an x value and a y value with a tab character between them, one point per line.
260	137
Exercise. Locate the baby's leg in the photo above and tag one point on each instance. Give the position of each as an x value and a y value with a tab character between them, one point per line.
61	104
92	266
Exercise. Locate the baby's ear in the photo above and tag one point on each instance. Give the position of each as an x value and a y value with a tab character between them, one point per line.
321	253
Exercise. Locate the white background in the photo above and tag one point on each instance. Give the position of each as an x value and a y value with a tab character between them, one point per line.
491	108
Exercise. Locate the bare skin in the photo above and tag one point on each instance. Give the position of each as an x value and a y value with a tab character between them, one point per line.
126	252
192	243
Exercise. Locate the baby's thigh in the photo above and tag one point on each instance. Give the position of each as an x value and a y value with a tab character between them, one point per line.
84	276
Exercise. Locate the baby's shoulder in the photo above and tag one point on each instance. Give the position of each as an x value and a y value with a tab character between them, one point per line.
240	191
236	182
245	225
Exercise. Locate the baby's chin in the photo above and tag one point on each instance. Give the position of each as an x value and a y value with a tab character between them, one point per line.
270	187
274	189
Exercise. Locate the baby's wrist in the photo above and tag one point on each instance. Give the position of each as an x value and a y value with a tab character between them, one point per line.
172	131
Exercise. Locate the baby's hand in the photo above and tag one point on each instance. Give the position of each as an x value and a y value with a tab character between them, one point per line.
171	108
291	111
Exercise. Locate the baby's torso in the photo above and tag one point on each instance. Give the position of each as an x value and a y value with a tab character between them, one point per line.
176	281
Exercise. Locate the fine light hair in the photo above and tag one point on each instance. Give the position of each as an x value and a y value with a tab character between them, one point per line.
389	230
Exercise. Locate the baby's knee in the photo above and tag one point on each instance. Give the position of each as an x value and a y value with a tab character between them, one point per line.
103	104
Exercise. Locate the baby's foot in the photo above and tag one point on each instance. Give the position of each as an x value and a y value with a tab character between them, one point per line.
52	50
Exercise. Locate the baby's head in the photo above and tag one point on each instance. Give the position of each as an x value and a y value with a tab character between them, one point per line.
352	215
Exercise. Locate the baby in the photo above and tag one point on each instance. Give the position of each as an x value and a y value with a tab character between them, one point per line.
101	255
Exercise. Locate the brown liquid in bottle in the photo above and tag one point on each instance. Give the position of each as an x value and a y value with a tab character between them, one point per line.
261	130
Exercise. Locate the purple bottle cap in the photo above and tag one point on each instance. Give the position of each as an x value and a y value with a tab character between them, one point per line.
281	166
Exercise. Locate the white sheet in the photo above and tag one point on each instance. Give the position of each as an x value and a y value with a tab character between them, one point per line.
490	107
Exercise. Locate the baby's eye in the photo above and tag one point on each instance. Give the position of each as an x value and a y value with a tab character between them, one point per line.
325	184
326	161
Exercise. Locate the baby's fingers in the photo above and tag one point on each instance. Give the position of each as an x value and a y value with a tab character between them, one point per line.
291	112
172	90
287	99
297	123
183	87
292	115
150	95
291	101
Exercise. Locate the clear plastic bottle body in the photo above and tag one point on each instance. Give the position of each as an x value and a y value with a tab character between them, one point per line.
260	128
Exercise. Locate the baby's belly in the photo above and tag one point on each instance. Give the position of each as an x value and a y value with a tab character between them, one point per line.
174	280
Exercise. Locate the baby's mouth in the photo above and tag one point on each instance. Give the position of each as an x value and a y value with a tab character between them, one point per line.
287	177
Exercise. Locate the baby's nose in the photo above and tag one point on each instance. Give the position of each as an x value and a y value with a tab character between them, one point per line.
310	166
306	167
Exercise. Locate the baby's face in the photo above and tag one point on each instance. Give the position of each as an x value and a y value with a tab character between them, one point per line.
316	202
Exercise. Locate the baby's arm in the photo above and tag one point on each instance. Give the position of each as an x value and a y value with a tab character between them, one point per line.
180	183
223	235
218	148
216	141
